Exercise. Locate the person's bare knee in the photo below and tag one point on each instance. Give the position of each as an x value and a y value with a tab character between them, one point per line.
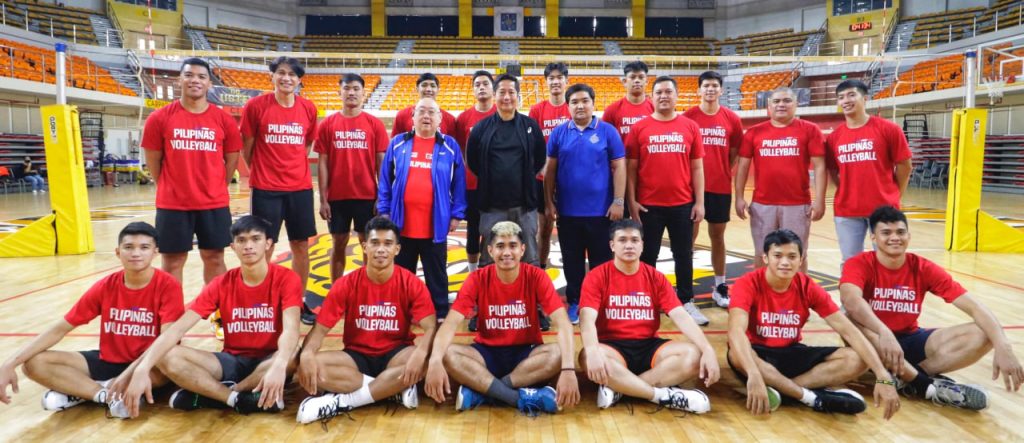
35	366
852	365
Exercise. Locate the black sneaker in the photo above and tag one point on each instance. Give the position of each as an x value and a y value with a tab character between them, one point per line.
843	401
183	400
248	402
472	325
545	323
307	316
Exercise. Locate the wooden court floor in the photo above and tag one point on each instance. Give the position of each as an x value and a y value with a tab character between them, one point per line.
34	292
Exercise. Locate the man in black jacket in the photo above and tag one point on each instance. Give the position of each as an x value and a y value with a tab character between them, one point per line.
506	151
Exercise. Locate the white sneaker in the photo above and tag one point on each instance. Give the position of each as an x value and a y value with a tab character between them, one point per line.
56	401
689	400
321	408
409	398
606	397
694	312
721	296
118	409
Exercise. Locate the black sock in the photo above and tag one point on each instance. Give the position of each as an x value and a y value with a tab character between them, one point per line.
507	380
921	383
501	391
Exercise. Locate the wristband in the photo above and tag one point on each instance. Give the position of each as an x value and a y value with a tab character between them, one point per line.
882	381
569	369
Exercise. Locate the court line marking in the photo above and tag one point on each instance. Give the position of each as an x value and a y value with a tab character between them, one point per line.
32	291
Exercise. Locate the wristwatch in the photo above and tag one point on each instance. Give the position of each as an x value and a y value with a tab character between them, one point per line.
618	201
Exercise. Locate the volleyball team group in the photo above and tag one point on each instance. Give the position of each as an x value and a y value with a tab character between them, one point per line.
611	184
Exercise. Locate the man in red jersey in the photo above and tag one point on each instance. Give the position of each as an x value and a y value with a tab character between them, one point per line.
192	151
428	86
721	132
259	304
508	356
379	304
549	114
351	145
277	132
483	89
769	307
134	305
635	106
869	161
621	311
883	293
781	150
665	185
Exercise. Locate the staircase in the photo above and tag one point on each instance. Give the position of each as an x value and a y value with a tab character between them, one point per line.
106	34
612	47
381	91
126	77
915	126
508	47
901	36
731	94
198	39
812	44
724	66
403	47
883	79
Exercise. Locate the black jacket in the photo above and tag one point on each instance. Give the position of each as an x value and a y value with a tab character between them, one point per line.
478	150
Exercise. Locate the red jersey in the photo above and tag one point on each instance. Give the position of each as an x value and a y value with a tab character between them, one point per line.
279	158
628	307
350	146
419	191
507	313
463	124
549	116
777	318
403	122
251	315
896	295
623	114
377	316
781	158
665	151
865	158
130	319
719	133
192	174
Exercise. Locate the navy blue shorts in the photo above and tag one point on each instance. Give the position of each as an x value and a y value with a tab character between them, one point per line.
913	345
502	360
236	367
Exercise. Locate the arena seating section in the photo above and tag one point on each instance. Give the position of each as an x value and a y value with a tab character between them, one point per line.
66	22
27	62
777	42
754	83
943	27
945	73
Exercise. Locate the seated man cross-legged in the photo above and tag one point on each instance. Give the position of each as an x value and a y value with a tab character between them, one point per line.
621	306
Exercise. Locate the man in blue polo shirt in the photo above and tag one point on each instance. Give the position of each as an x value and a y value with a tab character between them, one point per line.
585	195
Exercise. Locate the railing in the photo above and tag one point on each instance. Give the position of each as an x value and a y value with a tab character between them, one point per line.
38	64
956	31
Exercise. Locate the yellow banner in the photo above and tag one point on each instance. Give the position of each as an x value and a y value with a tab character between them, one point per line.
153	103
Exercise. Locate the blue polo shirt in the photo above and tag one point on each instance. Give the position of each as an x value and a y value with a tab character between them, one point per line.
583	185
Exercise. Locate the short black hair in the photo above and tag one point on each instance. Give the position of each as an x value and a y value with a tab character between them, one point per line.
577	88
556	66
506	77
139	228
663	79
710	75
625	223
249	223
783	237
852	84
352	77
291	62
637	66
379	223
886	214
483	73
195	61
427	76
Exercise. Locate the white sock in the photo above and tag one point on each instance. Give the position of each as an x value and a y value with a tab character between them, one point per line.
232	398
809	397
100	397
719	279
473	266
659	393
367	380
361	397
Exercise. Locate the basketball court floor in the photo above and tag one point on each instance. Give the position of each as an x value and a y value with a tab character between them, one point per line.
34	292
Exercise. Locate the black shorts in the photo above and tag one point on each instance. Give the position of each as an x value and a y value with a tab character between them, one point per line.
791	361
542	199
371	365
236	367
472	222
716	207
176	228
344	212
293	208
100	370
638	354
913	345
502	360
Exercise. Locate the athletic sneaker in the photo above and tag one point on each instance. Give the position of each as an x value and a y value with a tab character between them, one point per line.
321	407
694	312
472	324
843	401
467	399
689	400
606	397
217	325
409	398
545	322
306	316
721	296
248	402
118	409
574	313
534	401
774	399
58	401
183	400
947	392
